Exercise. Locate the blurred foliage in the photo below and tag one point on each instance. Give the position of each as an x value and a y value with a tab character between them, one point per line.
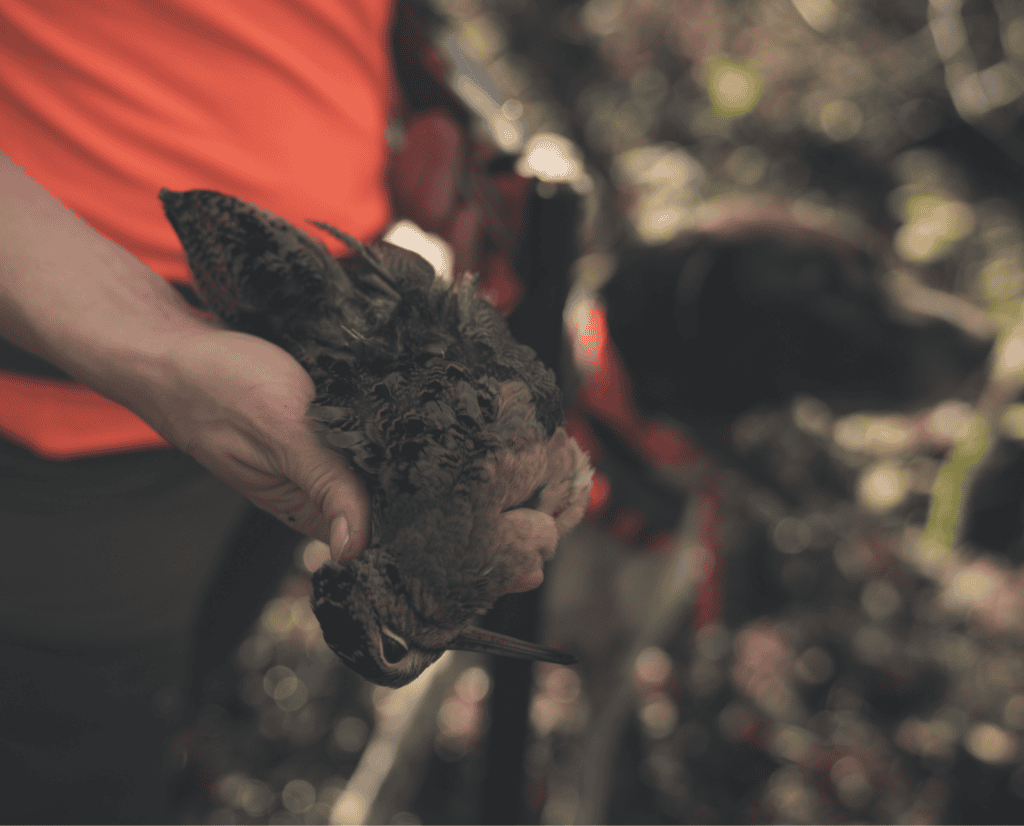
845	680
810	99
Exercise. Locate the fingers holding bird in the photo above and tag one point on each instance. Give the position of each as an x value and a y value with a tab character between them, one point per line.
239	405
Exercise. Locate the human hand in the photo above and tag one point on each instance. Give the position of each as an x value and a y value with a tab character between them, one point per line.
237	404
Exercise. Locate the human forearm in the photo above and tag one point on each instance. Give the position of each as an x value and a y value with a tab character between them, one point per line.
75	298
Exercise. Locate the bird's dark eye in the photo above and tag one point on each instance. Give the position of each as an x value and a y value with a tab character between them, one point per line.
393	646
533	502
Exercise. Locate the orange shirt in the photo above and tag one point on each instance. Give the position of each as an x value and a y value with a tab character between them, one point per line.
280	102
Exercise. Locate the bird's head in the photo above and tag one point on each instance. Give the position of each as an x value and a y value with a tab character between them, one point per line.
359	627
367	642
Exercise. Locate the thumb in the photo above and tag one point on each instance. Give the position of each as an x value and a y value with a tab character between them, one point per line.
342	548
343	518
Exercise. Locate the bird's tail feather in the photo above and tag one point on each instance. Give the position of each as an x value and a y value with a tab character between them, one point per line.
259	272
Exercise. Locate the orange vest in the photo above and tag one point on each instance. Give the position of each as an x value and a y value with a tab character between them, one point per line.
284	104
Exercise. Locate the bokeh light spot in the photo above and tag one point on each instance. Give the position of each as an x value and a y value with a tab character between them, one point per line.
659	716
480	38
949	35
820	15
1001	278
991	744
747	165
653	667
840	120
350	807
658	224
255	797
792	535
948	421
879	435
298	796
1009	363
561	683
812	416
433	248
1012	422
277	617
350	733
970	587
280	682
933	224
882	487
734	87
851	782
793	743
314	555
473	685
550	157
458	719
601	17
665	181
792	797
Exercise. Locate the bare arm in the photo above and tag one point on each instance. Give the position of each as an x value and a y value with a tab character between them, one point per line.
234	402
73	297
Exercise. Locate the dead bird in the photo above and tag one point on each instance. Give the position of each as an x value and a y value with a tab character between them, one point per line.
456	429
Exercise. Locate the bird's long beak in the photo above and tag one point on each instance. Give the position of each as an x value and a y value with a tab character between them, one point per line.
502	645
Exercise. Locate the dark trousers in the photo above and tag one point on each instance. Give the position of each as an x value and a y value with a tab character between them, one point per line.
123	580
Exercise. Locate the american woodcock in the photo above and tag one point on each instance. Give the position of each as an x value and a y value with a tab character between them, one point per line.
455	429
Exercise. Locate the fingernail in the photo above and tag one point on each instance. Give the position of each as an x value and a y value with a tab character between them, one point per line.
339	539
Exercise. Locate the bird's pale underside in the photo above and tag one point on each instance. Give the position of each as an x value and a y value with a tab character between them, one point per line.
456	429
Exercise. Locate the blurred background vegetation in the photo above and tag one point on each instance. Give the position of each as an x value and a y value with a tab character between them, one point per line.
802	231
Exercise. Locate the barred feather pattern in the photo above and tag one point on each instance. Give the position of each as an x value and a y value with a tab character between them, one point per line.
451	424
